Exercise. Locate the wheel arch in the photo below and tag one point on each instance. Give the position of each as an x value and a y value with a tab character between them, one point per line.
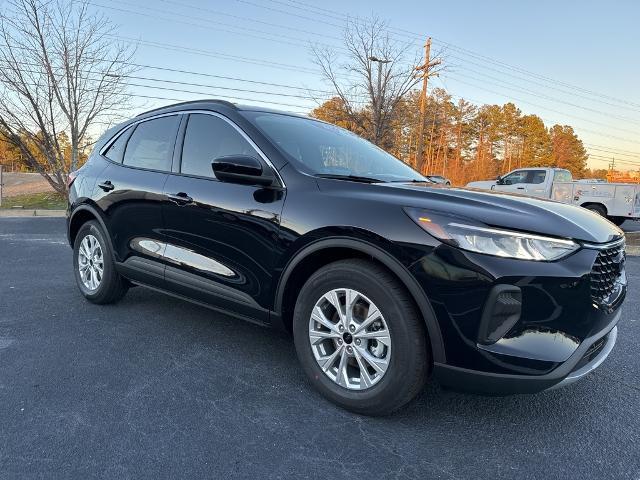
321	252
81	215
602	205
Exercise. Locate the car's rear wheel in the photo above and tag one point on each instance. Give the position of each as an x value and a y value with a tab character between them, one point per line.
94	267
359	338
599	209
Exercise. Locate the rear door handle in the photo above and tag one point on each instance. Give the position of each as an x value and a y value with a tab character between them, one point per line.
107	186
520	188
180	198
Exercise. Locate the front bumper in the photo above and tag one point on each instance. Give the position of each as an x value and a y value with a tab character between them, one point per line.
586	358
562	333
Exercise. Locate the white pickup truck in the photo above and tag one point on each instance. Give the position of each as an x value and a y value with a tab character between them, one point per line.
616	201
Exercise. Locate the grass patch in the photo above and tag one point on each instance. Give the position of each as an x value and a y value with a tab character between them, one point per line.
39	201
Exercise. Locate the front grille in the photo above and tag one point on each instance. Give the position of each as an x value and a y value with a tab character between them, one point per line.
606	270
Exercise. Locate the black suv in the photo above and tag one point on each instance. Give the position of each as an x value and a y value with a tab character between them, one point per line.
383	277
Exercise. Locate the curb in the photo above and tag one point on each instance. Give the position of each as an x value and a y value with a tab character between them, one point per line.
32	213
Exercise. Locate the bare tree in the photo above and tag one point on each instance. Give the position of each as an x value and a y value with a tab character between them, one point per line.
60	74
375	75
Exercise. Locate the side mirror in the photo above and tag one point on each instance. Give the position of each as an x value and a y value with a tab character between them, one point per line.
243	169
499	180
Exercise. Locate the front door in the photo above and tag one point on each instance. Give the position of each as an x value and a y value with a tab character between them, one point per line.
513	182
220	236
525	181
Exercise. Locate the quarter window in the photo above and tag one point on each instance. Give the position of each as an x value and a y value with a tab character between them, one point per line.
207	138
115	151
151	144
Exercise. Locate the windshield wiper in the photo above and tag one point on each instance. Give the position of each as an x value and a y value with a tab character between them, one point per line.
354	178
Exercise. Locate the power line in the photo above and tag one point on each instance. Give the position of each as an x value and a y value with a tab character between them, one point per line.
615	150
214	54
245	19
518	88
464	51
294	41
550	110
626	107
546	120
545	97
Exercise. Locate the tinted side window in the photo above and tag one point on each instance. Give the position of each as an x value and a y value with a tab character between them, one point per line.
151	144
116	150
207	138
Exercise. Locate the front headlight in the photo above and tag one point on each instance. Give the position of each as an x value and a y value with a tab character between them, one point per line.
491	241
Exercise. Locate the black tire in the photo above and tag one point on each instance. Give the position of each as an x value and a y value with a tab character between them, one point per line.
618	220
599	209
410	358
112	286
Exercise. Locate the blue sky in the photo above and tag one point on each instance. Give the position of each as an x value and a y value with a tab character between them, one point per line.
571	62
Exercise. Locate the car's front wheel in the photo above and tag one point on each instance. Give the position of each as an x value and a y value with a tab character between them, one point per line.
94	267
359	338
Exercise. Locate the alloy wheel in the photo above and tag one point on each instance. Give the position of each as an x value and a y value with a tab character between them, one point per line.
350	339
90	262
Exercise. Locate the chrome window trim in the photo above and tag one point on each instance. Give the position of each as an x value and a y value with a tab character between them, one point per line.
129	125
187	112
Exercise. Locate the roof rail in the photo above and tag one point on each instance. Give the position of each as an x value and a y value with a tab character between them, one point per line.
205	100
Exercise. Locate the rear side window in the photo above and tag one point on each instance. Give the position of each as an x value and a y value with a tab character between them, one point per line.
537	177
207	138
151	144
563	176
116	150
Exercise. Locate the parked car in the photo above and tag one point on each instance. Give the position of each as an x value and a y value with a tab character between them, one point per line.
439	179
383	278
615	201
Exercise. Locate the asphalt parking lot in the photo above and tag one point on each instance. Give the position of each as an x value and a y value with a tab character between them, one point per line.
158	388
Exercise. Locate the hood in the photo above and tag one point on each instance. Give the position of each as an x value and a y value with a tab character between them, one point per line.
509	211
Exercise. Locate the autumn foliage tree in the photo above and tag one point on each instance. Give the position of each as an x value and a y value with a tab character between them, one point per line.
467	142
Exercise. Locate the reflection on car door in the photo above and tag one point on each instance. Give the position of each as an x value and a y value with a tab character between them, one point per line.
220	236
131	192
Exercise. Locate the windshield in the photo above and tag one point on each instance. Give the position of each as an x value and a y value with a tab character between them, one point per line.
322	149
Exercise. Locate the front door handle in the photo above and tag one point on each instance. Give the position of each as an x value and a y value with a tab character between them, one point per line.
180	198
107	186
520	188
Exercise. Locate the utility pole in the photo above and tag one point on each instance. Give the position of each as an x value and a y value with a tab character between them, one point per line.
378	103
425	72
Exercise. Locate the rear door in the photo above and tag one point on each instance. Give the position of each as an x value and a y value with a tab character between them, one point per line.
221	237
131	190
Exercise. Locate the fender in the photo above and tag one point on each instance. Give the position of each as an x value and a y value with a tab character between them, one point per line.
96	213
426	310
